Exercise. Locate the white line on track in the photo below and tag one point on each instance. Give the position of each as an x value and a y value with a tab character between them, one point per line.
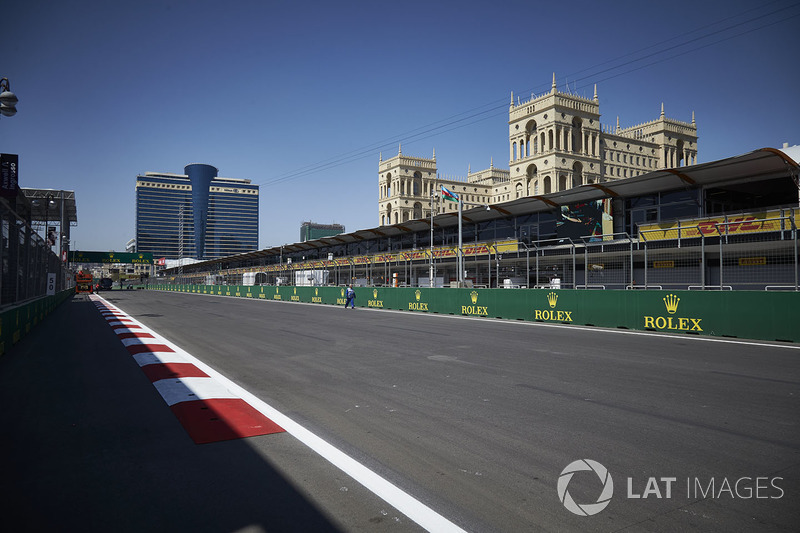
390	493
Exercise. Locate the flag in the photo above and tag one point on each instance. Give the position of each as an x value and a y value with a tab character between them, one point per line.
447	195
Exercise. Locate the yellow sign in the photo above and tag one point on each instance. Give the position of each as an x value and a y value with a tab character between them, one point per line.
375	302
474	310
752	261
671	322
715	226
417	305
552	314
663	264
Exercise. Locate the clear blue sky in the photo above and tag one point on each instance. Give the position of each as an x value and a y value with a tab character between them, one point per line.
267	90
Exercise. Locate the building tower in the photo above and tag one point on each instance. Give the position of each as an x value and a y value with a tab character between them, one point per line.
557	142
404	187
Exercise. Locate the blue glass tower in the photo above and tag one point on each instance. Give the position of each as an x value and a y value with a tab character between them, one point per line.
196	214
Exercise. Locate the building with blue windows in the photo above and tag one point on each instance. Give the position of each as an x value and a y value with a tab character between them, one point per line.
196	214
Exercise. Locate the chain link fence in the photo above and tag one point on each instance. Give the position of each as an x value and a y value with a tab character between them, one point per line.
753	255
28	267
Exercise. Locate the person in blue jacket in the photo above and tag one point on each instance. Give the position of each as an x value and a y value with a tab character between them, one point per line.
351	297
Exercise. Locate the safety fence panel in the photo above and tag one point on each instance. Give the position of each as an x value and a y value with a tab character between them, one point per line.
607	263
749	314
18	321
748	259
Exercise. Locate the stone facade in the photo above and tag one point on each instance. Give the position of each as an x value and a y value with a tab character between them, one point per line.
556	142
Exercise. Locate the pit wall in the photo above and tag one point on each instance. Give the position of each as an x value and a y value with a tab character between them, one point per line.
745	314
18	321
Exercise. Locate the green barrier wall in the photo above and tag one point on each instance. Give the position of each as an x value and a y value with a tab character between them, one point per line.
745	314
17	322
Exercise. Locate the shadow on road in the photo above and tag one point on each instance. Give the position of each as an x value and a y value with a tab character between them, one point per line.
89	445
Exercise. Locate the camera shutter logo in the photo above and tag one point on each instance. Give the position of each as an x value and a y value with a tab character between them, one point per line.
585	509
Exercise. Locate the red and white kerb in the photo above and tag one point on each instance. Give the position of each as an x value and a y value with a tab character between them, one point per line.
208	411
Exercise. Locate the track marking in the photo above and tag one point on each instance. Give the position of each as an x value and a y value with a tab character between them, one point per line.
381	487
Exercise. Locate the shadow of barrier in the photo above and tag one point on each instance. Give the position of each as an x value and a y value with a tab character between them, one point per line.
18	320
759	315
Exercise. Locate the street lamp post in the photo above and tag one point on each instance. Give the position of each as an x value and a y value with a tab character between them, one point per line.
8	100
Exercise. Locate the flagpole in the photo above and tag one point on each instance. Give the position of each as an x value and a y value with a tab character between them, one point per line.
460	259
430	272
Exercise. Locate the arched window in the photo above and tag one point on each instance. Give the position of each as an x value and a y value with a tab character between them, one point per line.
577	174
417	184
547	188
577	135
519	190
417	211
514	151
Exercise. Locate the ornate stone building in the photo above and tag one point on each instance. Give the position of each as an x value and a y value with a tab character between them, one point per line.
556	142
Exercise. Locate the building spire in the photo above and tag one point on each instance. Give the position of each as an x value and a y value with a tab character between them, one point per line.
399	148
617	124
434	154
693	122
662	109
512	98
380	157
595	92
553	88
469	169
491	162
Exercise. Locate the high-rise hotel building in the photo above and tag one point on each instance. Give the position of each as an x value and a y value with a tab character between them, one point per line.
196	214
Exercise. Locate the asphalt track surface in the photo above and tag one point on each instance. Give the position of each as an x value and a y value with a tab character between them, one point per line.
474	418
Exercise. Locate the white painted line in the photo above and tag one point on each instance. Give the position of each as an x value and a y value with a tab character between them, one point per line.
384	489
141	340
177	390
150	358
120	322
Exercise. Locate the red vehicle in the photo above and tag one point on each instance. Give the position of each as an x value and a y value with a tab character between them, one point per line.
83	283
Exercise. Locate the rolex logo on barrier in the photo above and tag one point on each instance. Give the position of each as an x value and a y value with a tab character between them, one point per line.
295	297
341	300
316	299
417	305
671	301
277	295
671	322
474	309
552	314
552	299
375	302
